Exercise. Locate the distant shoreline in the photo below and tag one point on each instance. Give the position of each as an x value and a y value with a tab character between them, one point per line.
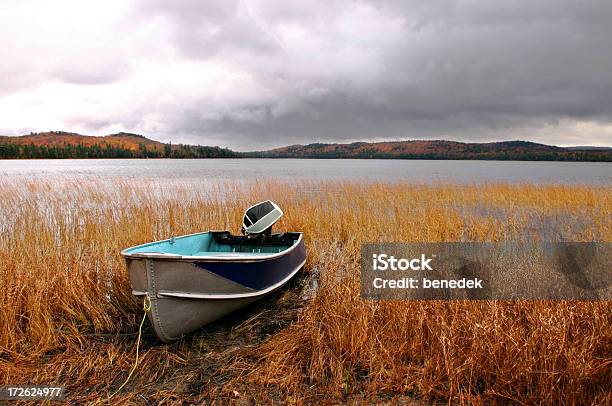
313	159
65	145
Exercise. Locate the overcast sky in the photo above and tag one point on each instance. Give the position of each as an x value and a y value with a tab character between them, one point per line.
258	74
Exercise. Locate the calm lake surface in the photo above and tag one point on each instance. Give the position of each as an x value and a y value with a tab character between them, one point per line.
420	171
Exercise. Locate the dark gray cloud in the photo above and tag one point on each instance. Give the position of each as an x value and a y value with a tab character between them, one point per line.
255	74
202	29
467	70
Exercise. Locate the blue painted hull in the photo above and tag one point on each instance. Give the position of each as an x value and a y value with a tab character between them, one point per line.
257	275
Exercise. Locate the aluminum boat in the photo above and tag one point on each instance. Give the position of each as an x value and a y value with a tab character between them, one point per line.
195	279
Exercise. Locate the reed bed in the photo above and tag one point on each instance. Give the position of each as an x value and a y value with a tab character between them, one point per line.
67	316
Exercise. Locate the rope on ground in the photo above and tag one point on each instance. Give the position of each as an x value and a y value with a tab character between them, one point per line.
146	307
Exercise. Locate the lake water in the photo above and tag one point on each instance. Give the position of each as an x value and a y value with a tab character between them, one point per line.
420	171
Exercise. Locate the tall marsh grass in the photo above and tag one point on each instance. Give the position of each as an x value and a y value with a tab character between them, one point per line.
67	315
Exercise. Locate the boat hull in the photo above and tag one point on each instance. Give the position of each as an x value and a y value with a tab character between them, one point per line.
186	293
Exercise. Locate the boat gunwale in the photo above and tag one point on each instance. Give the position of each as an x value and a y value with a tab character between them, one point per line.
189	258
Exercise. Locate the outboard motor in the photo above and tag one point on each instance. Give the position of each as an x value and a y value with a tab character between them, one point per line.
259	219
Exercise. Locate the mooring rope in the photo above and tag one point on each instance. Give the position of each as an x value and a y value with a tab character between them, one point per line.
146	306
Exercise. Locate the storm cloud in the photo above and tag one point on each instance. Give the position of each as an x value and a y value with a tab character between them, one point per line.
256	74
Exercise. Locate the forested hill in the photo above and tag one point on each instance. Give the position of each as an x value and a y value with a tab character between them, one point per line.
438	149
60	144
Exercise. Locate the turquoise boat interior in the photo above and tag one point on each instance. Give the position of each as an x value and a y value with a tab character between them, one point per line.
215	243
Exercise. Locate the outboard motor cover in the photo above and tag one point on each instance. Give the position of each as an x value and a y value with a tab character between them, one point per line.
260	218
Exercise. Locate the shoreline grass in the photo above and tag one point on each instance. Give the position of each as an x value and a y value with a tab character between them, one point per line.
67	315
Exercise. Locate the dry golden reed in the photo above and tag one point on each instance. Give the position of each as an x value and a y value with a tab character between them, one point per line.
67	315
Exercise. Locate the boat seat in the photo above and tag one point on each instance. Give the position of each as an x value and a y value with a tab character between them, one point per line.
228	254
